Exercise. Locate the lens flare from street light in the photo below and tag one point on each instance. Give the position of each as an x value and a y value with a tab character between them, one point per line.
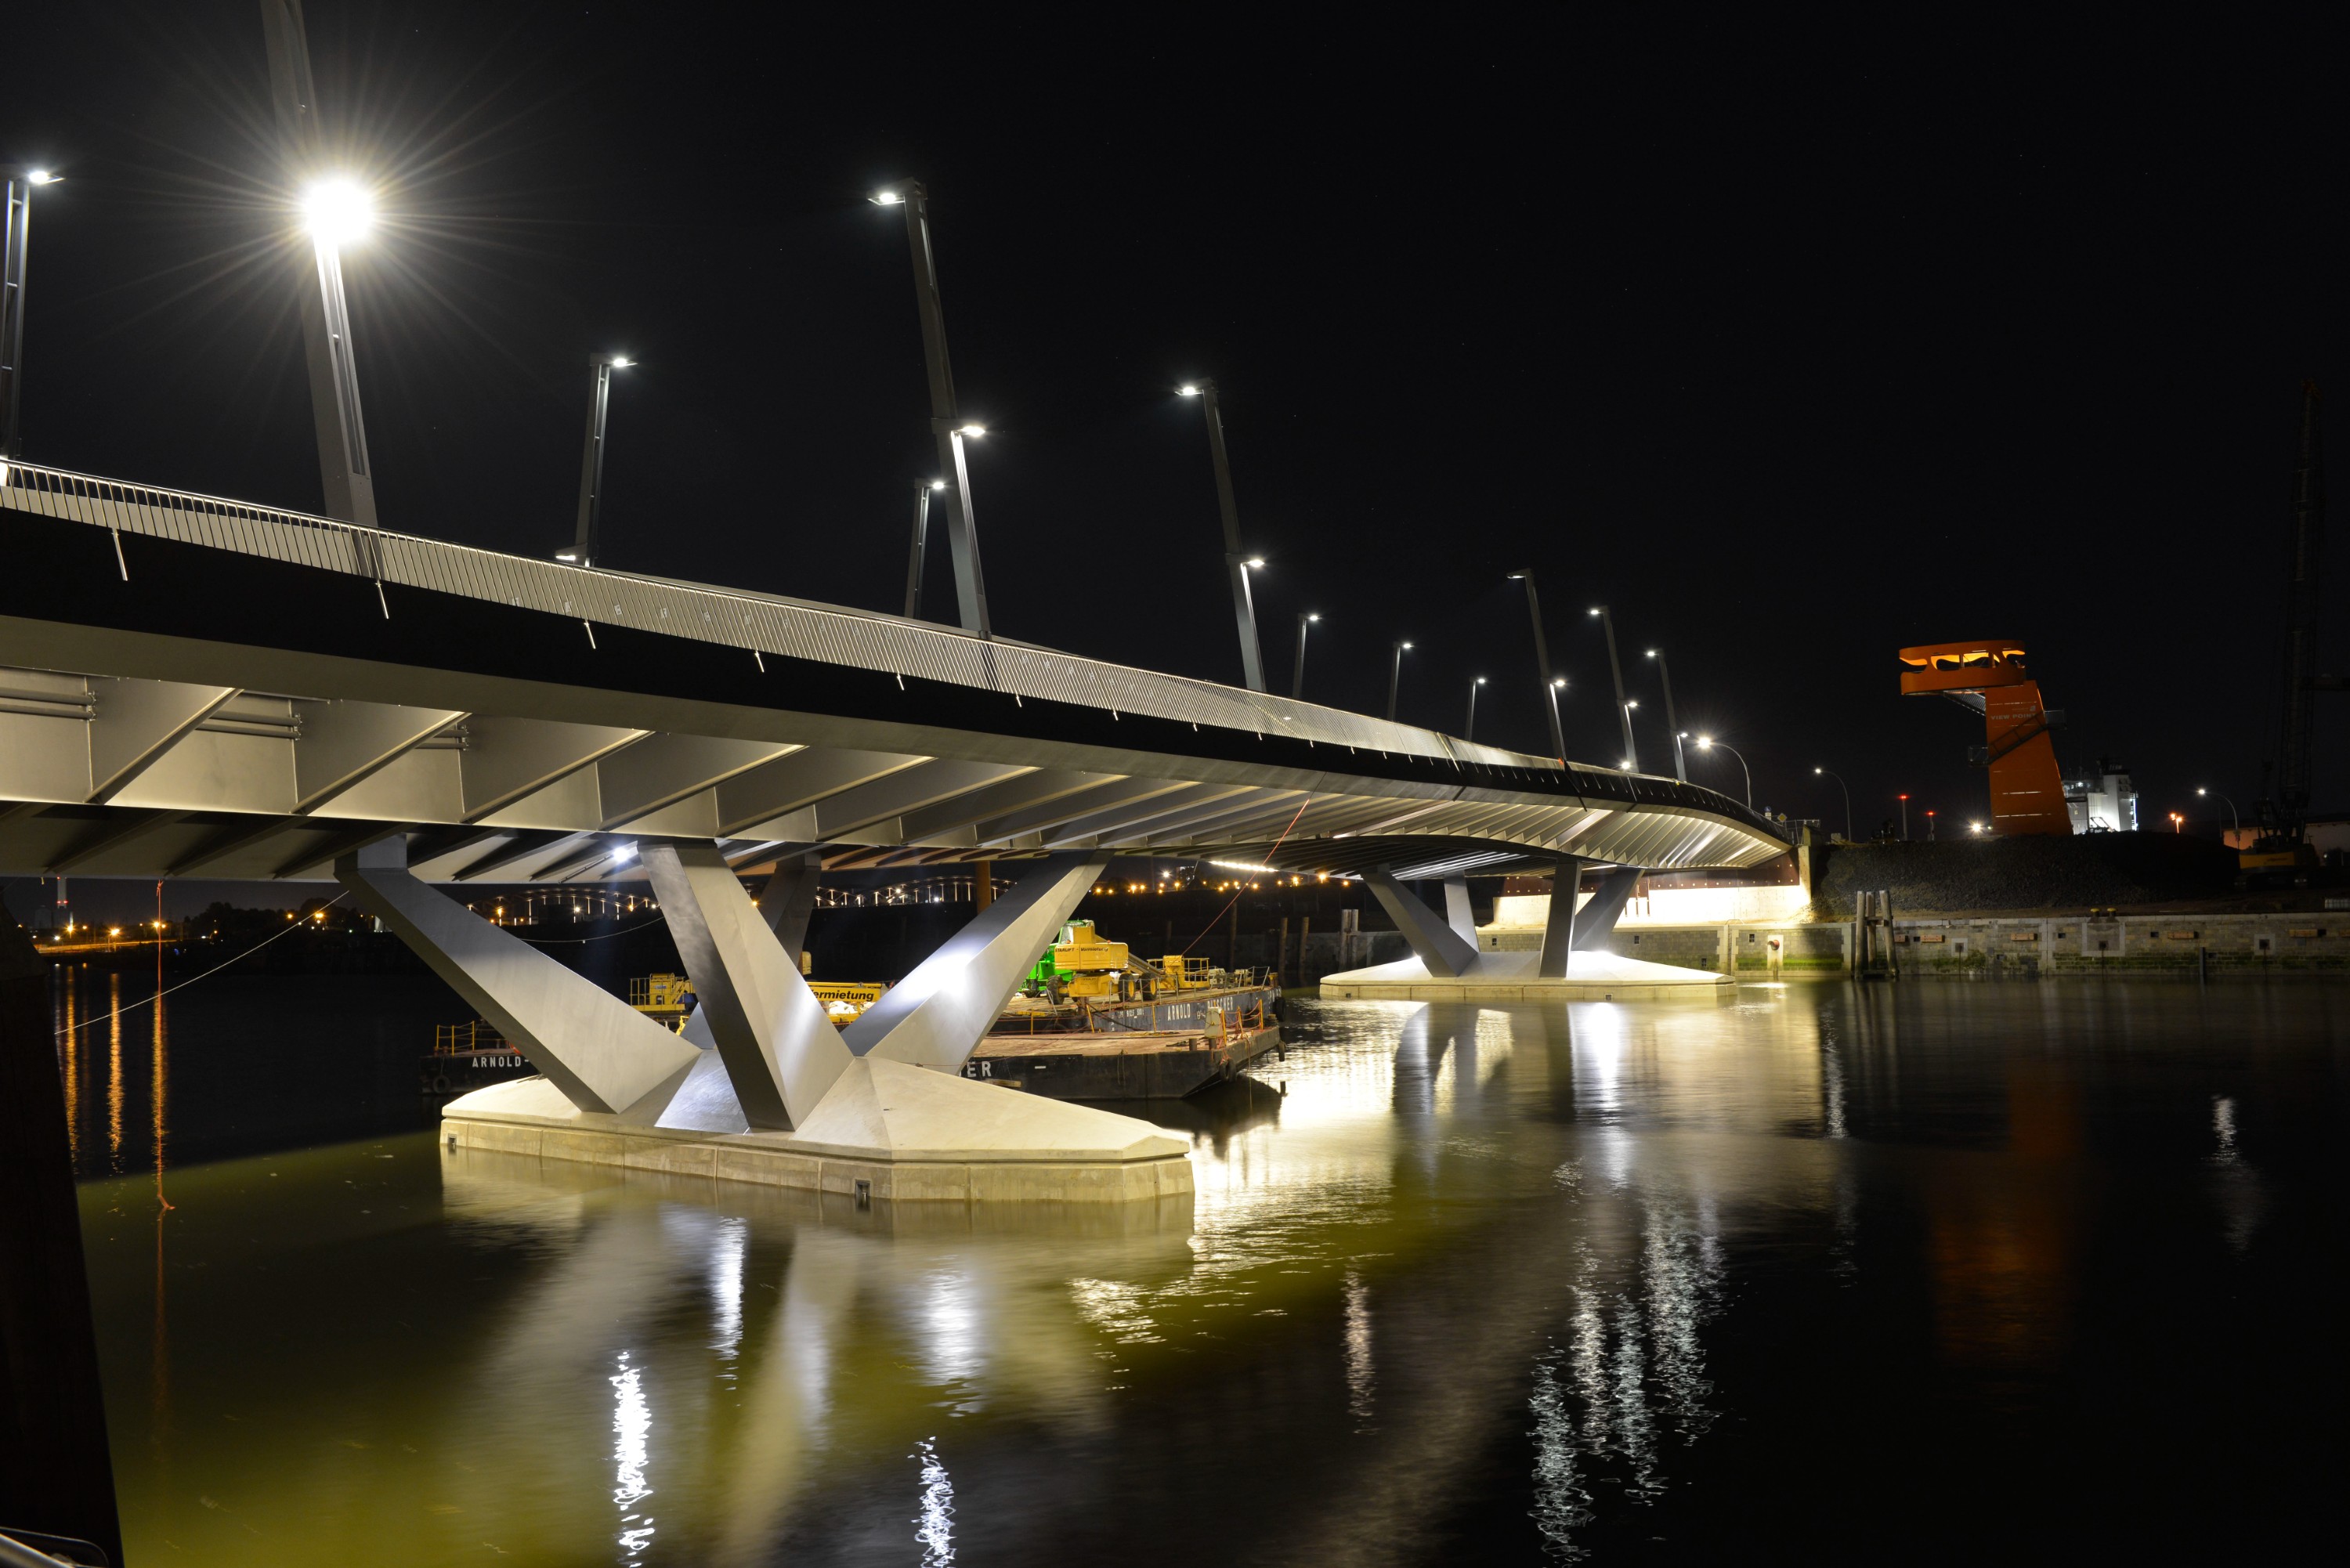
938	484
1313	617
41	177
971	431
621	361
1254	563
886	198
1705	744
337	211
1558	682
1187	390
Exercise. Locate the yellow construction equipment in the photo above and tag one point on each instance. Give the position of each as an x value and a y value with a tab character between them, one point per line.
661	996
1183	973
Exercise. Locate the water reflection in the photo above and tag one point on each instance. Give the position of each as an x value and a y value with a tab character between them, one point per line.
1465	1293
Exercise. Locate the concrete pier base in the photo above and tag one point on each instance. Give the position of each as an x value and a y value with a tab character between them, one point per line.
894	1130
1517	977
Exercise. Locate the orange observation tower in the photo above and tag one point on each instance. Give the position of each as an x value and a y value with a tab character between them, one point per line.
1989	677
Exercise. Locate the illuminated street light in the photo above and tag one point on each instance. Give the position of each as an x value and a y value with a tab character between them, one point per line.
1236	566
337	211
1615	668
1541	662
946	425
1974	828
924	489
1847	799
1905	819
591	461
1672	723
1297	666
1469	729
2235	823
18	188
1707	744
1394	677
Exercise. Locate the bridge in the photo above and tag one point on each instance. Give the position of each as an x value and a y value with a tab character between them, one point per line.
197	686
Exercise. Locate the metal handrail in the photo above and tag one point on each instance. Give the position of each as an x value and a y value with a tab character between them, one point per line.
754	622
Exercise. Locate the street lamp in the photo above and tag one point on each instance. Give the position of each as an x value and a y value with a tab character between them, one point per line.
1394	677
1615	667
1244	602
1707	744
948	427
1680	770
1297	666
2234	822
337	211
1557	684
1847	801
591	461
1542	661
924	489
1469	729
1630	763
1905	819
18	189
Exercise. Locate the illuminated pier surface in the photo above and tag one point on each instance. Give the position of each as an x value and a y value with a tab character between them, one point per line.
1516	977
884	1130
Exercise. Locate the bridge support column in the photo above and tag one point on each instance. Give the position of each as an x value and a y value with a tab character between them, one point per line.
779	1046
789	899
1595	922
601	1053
1558	932
938	1014
1448	947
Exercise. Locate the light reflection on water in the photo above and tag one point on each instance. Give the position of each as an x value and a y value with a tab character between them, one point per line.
1467	1288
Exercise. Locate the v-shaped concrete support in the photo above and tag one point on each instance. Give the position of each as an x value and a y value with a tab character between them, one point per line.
1596	921
1447	946
1558	932
601	1053
938	1014
781	1050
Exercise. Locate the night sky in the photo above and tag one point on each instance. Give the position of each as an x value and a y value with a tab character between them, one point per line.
1793	346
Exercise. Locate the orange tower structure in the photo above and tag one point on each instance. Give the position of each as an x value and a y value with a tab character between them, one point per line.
2027	793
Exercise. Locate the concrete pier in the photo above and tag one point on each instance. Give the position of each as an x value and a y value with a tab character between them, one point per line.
886	1129
1517	977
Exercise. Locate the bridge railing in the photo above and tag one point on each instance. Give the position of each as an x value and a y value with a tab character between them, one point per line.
765	623
769	624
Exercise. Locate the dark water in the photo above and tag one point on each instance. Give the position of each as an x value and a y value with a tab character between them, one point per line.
1942	1273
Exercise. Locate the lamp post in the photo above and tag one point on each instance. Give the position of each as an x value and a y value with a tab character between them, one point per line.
924	489
337	211
591	462
1905	819
1707	744
1297	666
1394	677
2235	823
1469	727
1542	661
1680	770
1557	684
1616	667
17	185
948	427
1631	764
1847	800
1243	601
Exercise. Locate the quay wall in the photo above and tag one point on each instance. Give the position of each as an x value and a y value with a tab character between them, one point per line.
2019	947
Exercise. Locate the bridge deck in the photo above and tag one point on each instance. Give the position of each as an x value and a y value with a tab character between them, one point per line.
196	686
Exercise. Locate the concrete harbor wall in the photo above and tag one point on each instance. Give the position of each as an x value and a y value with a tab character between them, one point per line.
1998	947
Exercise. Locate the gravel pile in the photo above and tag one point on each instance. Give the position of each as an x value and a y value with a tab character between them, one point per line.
2008	875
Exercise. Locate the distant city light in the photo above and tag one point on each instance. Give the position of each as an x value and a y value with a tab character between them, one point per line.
337	211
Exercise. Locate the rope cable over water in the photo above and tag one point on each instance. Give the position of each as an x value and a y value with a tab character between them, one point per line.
290	929
1235	898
